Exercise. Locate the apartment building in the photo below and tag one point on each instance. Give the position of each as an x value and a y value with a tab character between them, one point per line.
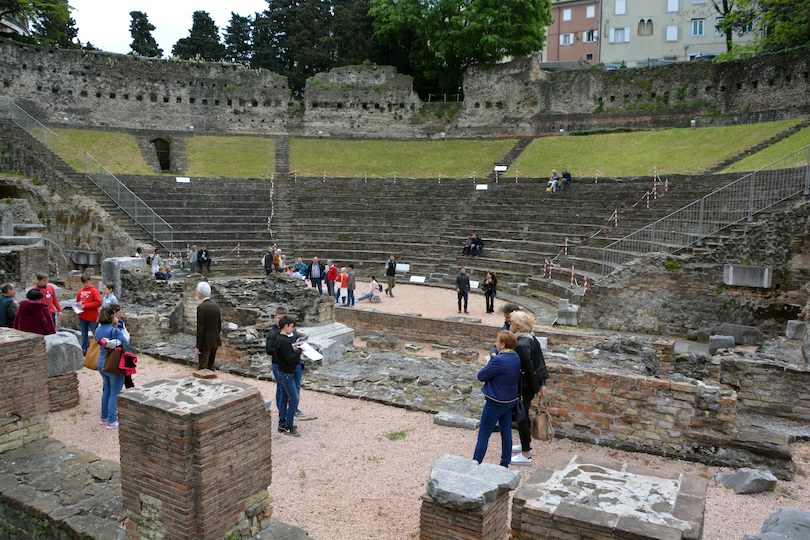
574	35
639	31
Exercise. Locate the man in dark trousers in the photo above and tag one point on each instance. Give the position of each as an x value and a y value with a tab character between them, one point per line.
315	275
463	288
390	275
203	257
270	349
209	326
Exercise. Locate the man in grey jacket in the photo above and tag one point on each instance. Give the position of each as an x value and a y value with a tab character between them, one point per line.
352	286
463	288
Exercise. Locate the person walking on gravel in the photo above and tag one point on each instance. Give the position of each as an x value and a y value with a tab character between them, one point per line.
463	288
390	275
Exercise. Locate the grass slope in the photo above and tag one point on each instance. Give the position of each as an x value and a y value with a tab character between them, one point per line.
230	157
772	153
413	159
118	152
685	151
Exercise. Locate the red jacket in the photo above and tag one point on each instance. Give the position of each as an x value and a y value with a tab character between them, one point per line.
343	280
91	301
332	273
49	298
34	317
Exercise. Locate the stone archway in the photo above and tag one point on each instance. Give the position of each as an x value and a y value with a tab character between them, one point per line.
163	153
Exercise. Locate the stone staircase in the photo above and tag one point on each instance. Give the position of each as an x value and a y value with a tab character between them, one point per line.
83	185
511	156
761	146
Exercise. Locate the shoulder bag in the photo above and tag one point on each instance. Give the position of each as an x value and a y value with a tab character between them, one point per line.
542	430
112	361
91	358
519	413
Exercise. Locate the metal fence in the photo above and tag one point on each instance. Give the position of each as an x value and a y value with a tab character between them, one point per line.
34	127
733	203
161	232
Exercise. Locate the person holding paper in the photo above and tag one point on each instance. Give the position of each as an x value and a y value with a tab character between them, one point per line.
287	356
270	349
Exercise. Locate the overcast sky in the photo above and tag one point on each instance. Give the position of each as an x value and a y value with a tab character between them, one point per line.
105	24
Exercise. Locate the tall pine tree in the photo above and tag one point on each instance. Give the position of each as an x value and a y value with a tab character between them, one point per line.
203	40
143	44
238	45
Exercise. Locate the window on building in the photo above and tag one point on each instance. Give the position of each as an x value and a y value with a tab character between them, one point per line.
621	7
591	36
672	6
589	57
566	15
698	1
590	12
698	27
645	27
717	31
566	39
619	35
672	33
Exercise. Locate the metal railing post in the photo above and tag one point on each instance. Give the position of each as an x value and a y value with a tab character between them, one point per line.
652	238
700	223
806	191
751	199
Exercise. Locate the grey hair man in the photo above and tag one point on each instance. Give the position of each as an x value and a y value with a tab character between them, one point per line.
209	327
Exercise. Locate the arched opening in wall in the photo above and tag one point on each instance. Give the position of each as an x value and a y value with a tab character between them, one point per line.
163	153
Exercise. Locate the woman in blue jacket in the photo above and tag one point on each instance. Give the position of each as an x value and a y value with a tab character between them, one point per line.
108	329
500	377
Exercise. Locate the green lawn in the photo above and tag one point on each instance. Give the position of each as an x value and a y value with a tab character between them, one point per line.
118	152
685	151
772	153
231	157
412	159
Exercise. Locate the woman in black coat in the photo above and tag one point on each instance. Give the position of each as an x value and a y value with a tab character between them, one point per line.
533	379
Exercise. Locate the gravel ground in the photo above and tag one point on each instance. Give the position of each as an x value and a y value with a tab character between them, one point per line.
345	478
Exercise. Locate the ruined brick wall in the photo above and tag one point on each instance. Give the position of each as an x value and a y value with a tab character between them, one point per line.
21	263
768	387
63	392
439	522
24	400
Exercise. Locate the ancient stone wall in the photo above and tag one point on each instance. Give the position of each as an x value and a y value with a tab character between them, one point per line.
768	387
677	295
104	89
63	392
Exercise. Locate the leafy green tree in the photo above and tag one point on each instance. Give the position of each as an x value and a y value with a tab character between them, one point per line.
294	39
353	32
143	44
238	44
786	24
53	26
446	36
203	40
18	9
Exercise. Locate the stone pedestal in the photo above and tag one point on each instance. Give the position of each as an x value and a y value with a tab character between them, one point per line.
466	500
195	459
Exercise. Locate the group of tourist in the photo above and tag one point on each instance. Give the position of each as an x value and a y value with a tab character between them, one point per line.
515	372
557	182
158	271
37	313
472	246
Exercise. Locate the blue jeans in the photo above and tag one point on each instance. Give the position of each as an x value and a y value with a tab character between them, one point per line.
109	396
84	326
464	295
288	402
500	413
350	298
317	283
365	295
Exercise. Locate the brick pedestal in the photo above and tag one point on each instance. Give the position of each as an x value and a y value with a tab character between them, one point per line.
63	392
23	378
466	500
195	459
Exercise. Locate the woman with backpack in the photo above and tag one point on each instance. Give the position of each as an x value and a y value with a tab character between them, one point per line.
373	290
532	379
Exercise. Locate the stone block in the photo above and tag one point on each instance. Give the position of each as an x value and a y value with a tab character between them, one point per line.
784	524
517	288
743	335
720	342
796	330
567	316
464	484
806	353
748	276
456	421
746	481
703	334
111	271
563	304
437	278
577	299
64	354
332	350
375	299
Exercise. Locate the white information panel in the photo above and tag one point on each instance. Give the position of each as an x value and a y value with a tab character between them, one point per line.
473	284
417	279
183	179
480	187
402	268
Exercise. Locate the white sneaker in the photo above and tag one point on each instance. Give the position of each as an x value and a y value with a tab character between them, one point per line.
517	449
520	460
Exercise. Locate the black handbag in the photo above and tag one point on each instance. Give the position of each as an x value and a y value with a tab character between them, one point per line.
519	413
112	361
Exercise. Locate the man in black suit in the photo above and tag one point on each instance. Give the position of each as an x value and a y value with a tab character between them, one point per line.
462	288
209	327
203	257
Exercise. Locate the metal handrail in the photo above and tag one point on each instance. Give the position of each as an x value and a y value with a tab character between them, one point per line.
34	127
161	232
740	200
